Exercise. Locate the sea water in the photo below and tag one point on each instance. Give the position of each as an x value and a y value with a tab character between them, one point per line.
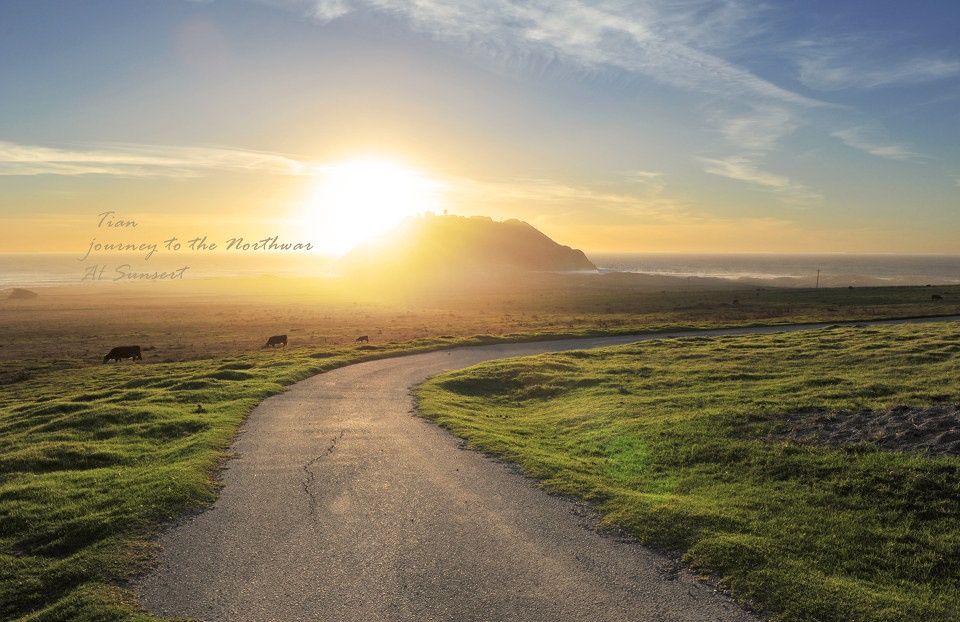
31	270
805	269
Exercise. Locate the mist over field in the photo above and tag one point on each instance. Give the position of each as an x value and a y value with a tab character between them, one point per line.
776	270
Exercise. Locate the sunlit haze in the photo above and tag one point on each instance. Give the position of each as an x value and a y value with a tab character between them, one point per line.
362	198
695	126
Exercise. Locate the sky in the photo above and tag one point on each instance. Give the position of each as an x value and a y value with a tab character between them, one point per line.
672	125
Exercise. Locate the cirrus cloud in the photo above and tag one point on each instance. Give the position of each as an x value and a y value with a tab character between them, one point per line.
867	140
743	168
126	160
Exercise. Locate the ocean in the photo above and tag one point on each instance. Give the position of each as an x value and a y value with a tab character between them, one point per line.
833	269
34	270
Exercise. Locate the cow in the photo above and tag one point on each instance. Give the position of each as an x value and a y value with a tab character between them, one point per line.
363	339
124	352
276	340
936	297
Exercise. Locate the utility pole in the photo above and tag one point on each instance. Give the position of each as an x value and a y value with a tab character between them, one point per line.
818	278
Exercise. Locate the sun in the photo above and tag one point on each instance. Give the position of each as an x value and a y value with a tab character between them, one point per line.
355	200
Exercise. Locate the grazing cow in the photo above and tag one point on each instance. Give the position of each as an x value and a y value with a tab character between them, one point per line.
936	297
363	339
276	340
124	352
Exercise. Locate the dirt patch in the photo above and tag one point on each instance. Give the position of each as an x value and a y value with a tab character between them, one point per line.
934	430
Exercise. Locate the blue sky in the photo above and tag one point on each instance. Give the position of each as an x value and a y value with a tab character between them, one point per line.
686	125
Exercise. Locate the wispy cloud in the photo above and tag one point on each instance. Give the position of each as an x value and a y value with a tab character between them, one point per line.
872	62
657	40
328	10
643	197
868	140
541	191
141	161
685	45
745	169
651	181
755	135
760	130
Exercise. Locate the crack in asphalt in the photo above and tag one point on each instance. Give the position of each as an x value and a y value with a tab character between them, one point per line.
311	477
490	546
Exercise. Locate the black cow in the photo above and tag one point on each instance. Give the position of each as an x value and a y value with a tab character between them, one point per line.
936	297
363	339
124	352
276	340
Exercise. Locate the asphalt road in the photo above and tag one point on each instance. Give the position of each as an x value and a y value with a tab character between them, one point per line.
342	505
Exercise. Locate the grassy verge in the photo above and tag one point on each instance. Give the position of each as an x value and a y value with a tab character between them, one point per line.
94	460
675	441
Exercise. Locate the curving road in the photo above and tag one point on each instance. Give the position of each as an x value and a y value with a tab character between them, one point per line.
342	505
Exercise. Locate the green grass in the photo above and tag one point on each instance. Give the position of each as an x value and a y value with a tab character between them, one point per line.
95	460
672	440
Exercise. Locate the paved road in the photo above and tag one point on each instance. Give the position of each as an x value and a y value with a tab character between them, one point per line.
342	505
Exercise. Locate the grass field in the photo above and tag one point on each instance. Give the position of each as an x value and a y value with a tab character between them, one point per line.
70	328
686	444
95	459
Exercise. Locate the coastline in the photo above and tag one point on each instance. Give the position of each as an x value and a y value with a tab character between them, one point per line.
44	270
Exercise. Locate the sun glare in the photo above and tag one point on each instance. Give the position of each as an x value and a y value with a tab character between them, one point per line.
356	200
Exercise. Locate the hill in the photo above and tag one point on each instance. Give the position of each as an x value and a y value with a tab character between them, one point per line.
443	245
